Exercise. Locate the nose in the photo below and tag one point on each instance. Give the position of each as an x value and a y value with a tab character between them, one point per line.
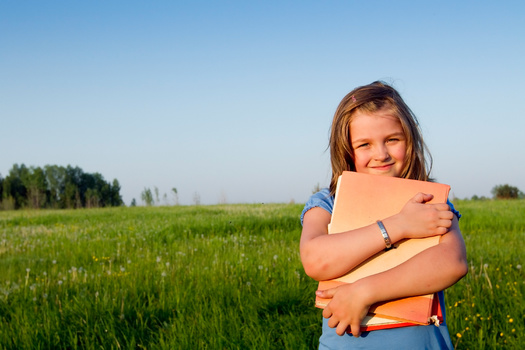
381	153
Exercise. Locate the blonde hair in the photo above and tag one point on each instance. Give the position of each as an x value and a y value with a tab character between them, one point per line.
369	99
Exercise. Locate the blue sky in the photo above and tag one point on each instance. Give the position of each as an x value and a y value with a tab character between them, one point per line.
233	100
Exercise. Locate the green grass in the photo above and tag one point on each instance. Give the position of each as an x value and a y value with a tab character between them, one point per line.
216	277
487	307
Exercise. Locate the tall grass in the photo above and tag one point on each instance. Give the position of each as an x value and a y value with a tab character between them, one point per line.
226	276
179	277
487	307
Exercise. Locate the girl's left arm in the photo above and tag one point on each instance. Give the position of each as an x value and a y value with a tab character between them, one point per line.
430	271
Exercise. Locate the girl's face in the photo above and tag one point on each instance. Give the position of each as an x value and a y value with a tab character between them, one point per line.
379	143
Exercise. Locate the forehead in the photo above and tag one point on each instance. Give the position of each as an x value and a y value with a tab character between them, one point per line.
374	123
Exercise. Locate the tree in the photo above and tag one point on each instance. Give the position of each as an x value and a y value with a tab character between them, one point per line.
14	191
176	195
35	182
7	202
56	185
70	196
73	179
506	192
222	198
157	200
147	197
197	198
92	198
115	197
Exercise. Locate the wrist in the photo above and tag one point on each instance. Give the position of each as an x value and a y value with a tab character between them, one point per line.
365	289
394	228
384	234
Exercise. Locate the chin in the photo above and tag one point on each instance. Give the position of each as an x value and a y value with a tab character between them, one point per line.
384	173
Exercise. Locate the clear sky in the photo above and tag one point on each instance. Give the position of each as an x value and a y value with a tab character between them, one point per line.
233	100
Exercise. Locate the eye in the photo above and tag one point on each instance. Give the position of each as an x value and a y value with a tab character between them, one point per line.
362	145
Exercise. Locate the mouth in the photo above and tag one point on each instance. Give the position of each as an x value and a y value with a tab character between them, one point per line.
383	167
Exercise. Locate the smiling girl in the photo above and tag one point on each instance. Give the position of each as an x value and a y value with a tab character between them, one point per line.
374	132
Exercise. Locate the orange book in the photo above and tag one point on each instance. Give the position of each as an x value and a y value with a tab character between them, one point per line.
361	200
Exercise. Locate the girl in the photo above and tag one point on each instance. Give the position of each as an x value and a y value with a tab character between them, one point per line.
374	131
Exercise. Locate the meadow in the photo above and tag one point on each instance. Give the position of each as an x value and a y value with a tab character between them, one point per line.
217	277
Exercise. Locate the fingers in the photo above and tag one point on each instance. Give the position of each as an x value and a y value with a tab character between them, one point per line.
342	328
444	221
346	309
327	293
441	231
355	328
441	218
333	322
422	197
442	207
327	313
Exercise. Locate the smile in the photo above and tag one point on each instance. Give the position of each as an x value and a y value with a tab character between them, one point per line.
383	167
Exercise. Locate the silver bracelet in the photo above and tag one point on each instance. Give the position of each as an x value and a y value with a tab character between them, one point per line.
385	234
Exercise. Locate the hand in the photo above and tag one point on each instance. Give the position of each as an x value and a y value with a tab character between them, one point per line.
421	219
348	307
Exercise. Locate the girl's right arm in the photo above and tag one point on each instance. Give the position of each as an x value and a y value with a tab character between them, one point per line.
327	256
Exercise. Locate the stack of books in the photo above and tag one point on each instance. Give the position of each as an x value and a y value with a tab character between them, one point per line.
361	200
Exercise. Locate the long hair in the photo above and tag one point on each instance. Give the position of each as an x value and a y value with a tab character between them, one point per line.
369	99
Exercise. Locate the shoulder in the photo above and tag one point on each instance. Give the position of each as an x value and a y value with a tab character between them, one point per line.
321	199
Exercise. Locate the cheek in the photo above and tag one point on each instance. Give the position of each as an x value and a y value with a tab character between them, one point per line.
361	159
399	153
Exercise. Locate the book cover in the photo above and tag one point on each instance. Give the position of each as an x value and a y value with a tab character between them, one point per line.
361	200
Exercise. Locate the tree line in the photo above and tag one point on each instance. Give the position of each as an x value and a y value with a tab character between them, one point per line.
56	187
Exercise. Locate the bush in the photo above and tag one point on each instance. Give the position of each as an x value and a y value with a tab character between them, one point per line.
506	192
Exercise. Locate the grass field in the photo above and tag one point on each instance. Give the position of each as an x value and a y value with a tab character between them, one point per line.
217	277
